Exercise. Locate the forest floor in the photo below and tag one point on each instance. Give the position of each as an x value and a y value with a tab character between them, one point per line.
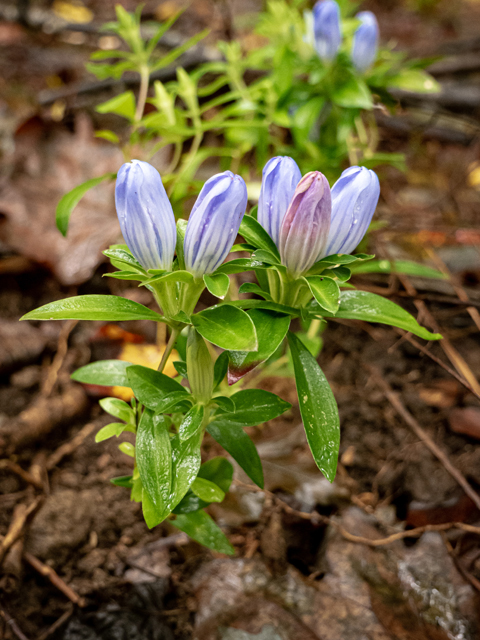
390	550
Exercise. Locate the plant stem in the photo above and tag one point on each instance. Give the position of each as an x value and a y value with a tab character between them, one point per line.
168	349
142	94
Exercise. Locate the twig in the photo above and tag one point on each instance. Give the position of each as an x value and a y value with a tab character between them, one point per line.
402	411
25	475
379	542
466	574
58	623
62	348
10	622
54	578
16	526
445	366
69	447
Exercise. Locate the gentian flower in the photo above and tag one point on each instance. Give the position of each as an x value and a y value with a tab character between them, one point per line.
280	177
145	215
354	199
214	222
326	28
305	227
365	41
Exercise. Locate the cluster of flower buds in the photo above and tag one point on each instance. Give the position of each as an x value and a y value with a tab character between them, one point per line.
148	223
328	36
314	221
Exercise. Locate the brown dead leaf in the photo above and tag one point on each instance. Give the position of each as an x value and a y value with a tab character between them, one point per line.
48	162
465	421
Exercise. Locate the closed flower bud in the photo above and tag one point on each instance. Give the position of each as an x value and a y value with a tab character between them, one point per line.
304	230
280	177
326	28
354	199
214	222
145	215
199	367
365	41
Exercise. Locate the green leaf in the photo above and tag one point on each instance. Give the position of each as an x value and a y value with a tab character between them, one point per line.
122	481
127	448
236	442
219	471
362	305
253	232
353	94
181	368
186	463
110	430
414	80
271	329
108	373
154	461
200	527
173	276
317	407
252	287
226	326
191	422
265	256
106	134
175	401
70	200
93	307
224	404
220	369
207	490
239	265
217	284
325	291
119	255
151	387
408	267
118	408
342	274
255	406
122	105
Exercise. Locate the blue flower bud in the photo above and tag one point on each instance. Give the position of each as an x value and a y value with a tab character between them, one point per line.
354	199
326	27
214	222
305	228
145	215
280	177
365	41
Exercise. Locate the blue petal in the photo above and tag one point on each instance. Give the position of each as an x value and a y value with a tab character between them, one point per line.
214	222
365	41
354	199
145	215
326	25
280	177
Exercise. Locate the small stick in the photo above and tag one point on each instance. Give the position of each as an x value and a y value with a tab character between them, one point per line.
379	542
54	578
402	411
25	475
16	526
69	447
59	357
10	622
58	623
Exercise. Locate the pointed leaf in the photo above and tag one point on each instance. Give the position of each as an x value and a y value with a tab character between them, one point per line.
318	408
110	430
200	527
253	232
226	326
70	200
93	307
217	284
152	387
325	291
108	373
271	329
191	422
236	442
207	490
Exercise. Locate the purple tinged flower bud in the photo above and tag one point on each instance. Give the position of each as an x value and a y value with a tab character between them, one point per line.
304	230
214	222
354	199
365	41
145	215
326	28
280	177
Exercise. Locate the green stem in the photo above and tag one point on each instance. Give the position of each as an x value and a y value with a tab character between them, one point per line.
168	349
142	95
